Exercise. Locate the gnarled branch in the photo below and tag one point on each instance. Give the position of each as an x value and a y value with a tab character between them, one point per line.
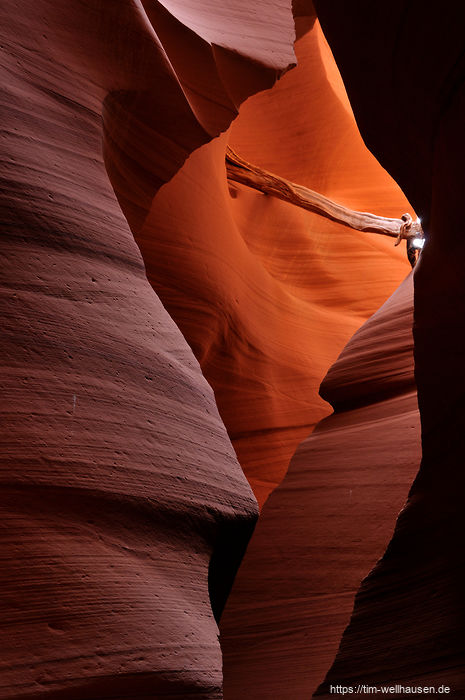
239	170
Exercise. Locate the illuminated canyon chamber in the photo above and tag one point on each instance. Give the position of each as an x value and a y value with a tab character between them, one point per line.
166	330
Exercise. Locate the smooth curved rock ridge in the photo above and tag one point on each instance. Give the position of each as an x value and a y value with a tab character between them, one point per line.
377	361
125	509
325	526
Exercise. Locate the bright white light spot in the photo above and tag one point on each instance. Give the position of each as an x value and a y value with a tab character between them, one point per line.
418	242
418	220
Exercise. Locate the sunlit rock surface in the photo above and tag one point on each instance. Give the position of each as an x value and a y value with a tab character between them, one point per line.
265	293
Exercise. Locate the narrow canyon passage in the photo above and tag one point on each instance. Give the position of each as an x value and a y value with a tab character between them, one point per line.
211	437
266	313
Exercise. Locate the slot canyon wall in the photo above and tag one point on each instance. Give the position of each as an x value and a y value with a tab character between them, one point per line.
408	619
165	333
120	487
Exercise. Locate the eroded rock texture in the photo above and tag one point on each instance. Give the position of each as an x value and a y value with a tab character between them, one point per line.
125	510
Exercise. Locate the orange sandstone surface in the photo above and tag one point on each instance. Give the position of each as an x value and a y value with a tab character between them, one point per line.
265	293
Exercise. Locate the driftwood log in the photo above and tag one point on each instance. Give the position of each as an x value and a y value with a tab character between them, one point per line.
239	170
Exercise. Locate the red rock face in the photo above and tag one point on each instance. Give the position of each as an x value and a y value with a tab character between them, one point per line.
125	510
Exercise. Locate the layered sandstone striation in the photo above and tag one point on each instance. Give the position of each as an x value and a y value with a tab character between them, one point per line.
125	511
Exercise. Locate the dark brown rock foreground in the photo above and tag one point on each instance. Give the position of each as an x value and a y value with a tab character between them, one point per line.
124	509
408	621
